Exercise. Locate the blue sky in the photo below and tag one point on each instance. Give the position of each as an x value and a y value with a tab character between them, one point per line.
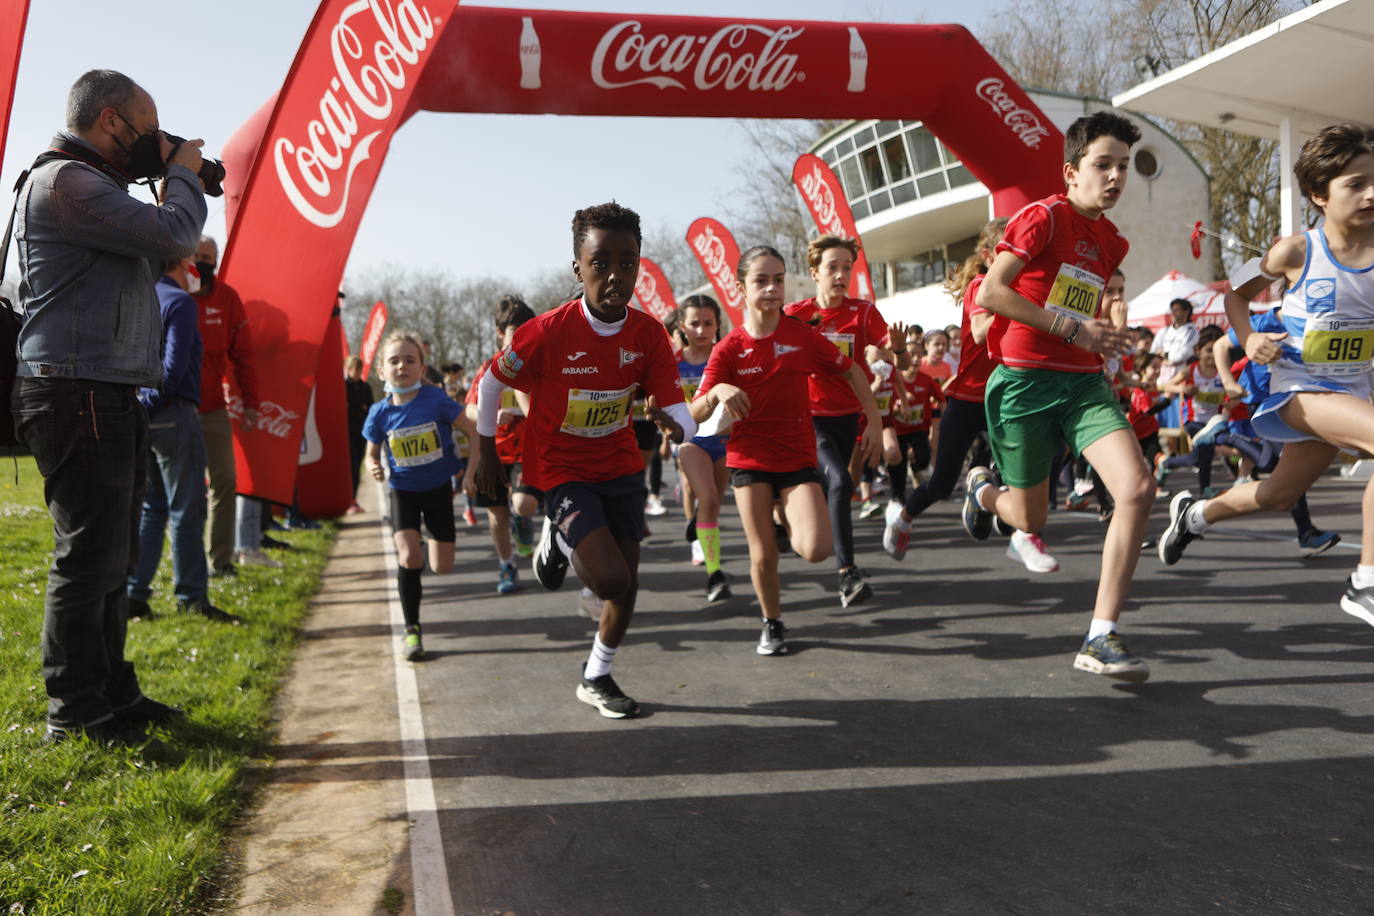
478	194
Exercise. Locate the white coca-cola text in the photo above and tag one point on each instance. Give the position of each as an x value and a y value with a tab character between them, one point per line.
625	56
646	291
1023	123
821	199
367	71
710	251
273	419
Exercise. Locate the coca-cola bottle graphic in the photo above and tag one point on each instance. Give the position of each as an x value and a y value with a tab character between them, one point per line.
858	61
529	54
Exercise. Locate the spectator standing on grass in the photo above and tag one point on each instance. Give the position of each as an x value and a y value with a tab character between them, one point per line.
226	340
89	254
359	394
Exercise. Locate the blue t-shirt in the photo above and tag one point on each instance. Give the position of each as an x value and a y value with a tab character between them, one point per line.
1254	378
418	437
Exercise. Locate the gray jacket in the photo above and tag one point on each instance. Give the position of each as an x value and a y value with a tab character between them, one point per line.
89	256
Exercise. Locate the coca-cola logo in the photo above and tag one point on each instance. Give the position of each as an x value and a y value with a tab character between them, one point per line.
1024	124
625	56
372	336
710	251
646	291
273	419
373	56
821	198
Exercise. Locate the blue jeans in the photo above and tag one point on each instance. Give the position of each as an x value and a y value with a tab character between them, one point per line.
175	494
248	530
90	441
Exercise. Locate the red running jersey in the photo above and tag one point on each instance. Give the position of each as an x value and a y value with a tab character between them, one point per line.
851	326
975	362
777	435
510	437
581	386
923	397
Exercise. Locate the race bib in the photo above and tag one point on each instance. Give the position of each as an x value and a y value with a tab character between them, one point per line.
1076	293
1210	397
593	414
413	446
843	342
689	388
916	414
884	402
1338	346
510	403
460	444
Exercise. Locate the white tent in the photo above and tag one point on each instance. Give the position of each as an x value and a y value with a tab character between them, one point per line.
1153	304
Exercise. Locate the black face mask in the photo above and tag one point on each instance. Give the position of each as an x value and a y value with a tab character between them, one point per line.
145	155
207	274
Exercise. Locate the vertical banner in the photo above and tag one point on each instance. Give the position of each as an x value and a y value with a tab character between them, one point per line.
718	254
14	15
327	490
652	292
372	336
830	209
347	92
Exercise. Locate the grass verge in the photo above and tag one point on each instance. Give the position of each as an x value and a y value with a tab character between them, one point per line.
90	830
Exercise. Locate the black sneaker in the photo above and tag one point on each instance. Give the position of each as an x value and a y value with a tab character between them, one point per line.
717	586
1358	602
977	520
784	542
1177	536
691	532
771	638
550	563
603	693
1108	656
110	733
274	544
207	610
139	610
146	711
853	588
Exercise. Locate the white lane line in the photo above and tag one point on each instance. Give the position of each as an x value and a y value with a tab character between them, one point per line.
428	867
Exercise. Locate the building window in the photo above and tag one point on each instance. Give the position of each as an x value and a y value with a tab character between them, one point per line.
925	153
903	192
880	201
853	182
931	184
895	154
888	127
959	175
872	168
1147	164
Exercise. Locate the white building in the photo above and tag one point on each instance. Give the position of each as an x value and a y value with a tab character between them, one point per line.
919	210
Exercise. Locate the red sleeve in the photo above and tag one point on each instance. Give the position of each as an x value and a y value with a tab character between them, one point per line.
875	327
937	393
1140	405
660	378
1239	366
715	366
971	305
518	364
241	351
1028	232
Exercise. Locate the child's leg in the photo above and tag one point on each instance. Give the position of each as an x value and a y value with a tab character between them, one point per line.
410	558
1024	508
805	508
1117	459
498	525
699	470
755	503
834	446
610	567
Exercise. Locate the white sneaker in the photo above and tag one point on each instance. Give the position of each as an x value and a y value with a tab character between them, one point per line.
895	539
257	558
698	555
589	604
1030	550
654	506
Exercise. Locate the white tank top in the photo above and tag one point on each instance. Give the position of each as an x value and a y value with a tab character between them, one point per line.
1329	317
1210	393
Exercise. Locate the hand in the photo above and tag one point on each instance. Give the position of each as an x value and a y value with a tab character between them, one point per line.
1235	391
489	475
469	485
736	401
670	427
1264	348
1103	337
188	154
250	419
374	468
896	332
506	416
871	446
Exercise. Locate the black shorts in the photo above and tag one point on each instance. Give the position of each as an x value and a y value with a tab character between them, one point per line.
434	507
780	480
646	435
503	494
577	509
917	442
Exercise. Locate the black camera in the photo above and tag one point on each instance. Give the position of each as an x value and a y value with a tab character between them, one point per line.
211	170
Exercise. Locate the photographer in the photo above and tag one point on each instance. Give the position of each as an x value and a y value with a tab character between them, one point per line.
89	255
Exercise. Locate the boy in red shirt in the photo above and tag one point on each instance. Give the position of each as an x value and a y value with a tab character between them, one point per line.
1045	286
581	364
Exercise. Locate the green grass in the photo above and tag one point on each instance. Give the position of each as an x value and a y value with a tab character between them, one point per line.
90	830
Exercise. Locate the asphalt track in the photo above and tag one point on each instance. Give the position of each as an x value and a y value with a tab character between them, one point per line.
929	751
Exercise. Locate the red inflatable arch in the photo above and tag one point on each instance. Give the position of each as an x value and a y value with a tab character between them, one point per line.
302	169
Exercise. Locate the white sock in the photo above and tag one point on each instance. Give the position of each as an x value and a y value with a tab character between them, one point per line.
1194	519
599	662
1099	626
562	544
506	559
1364	576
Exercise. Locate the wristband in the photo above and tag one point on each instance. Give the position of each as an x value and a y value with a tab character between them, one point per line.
1073	335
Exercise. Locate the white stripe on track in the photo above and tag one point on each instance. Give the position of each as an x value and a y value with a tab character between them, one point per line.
428	867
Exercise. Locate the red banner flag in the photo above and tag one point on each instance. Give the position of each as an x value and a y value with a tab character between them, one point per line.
372	336
830	209
715	248
323	145
327	490
14	15
652	292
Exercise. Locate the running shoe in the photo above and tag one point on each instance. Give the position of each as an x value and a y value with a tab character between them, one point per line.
353	508
1177	536
1243	479
691	533
1211	492
1161	468
256	557
522	531
1031	550
1076	501
550	563
895	538
589	604
654	506
204	608
698	554
1108	656
870	509
269	543
147	711
853	588
717	587
771	638
977	520
609	700
784	542
469	517
1317	541
1208	434
412	649
508	579
1358	602
1001	526
140	610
